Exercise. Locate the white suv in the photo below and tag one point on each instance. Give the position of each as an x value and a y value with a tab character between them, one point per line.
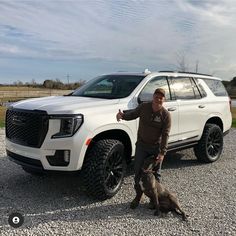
79	131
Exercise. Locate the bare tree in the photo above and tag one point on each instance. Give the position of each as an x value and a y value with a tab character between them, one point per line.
181	62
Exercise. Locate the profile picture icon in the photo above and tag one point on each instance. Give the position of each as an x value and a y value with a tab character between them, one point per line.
15	220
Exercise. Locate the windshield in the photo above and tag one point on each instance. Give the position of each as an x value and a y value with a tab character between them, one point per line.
109	86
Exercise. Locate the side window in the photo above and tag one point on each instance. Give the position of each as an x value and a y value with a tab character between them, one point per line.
195	89
200	88
216	86
184	88
157	82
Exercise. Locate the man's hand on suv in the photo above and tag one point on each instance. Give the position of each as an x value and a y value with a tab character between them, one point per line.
119	115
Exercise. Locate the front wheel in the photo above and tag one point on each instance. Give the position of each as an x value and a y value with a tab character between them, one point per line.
104	168
210	145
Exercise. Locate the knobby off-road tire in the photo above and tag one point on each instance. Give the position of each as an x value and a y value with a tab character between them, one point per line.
210	145
104	168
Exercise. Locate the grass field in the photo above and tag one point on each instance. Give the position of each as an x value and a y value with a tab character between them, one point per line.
21	88
2	116
3	110
234	117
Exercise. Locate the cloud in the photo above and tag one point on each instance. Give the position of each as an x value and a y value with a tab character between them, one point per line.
217	13
132	34
96	29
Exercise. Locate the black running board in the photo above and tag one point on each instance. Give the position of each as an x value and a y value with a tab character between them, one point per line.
182	144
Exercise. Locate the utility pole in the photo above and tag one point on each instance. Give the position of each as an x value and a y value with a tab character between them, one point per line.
68	79
197	66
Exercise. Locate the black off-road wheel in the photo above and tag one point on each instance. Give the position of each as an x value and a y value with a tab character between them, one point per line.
104	169
210	146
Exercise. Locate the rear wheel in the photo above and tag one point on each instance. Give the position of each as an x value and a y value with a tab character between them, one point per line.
104	168
210	145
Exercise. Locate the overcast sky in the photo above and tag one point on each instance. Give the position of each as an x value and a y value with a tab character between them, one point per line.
52	39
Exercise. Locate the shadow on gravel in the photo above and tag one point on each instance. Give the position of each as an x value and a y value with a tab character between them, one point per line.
174	160
47	199
179	160
61	197
57	198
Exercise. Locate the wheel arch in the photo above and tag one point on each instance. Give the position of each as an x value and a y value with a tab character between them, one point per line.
117	134
217	121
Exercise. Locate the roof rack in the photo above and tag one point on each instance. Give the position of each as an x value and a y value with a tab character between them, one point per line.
183	72
167	71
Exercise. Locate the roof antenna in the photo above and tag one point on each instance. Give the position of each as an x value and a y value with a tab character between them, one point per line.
147	71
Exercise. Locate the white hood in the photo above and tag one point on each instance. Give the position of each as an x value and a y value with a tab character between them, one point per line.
63	104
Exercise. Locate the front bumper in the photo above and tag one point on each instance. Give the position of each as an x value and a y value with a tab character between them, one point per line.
36	158
25	161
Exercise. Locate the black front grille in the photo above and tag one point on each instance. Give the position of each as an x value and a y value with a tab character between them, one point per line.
25	127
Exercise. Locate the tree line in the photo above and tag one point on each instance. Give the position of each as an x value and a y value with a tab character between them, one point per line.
57	84
231	87
49	84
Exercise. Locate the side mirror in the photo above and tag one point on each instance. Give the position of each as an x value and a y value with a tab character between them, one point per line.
139	100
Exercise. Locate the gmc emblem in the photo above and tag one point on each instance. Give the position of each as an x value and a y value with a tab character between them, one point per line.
18	120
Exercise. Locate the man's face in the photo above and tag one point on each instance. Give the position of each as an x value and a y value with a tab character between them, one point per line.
158	99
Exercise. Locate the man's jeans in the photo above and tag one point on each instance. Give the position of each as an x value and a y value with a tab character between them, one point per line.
141	153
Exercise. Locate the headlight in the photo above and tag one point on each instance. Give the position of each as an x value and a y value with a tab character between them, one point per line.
69	125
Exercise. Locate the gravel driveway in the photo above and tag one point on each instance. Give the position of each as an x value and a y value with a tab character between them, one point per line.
57	205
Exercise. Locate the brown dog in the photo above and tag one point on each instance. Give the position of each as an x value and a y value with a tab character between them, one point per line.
163	200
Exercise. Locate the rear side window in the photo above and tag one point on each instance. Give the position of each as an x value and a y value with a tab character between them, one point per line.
201	89
184	88
216	86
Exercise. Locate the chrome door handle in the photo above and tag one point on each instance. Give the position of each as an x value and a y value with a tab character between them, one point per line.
171	109
201	106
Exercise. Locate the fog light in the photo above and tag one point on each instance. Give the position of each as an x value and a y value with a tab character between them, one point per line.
60	158
67	156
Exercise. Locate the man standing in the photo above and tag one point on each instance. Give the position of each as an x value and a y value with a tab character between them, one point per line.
153	131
